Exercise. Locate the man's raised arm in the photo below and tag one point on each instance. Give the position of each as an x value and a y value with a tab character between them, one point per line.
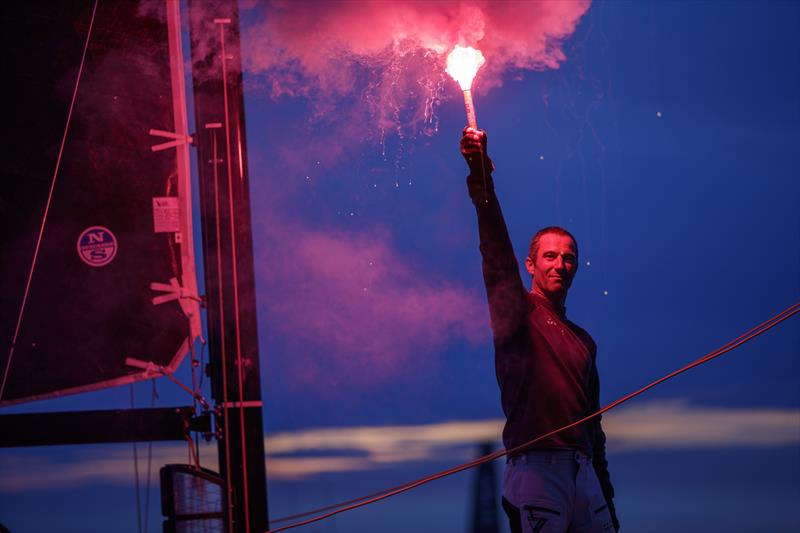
504	289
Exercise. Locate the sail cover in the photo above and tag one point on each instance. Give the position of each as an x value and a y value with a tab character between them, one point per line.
114	277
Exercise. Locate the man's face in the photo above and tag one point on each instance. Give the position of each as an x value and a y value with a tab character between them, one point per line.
554	266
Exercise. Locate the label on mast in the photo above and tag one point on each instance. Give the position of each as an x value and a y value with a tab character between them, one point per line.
166	214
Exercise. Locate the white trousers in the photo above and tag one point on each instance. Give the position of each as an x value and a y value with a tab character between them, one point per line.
556	491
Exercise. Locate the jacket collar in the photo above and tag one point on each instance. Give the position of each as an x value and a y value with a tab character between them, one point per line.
559	311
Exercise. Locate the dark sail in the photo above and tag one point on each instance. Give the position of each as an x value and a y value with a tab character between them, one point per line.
117	233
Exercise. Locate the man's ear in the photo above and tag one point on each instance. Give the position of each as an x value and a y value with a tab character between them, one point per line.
529	265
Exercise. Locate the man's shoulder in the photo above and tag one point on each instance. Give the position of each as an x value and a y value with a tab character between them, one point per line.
582	334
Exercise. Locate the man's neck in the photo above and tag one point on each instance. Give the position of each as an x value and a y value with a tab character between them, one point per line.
556	299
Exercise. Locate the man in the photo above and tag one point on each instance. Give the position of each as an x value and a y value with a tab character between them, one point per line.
546	370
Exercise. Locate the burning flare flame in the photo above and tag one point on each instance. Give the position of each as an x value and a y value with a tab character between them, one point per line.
463	63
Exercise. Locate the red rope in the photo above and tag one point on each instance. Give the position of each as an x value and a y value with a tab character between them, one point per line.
234	268
382	495
223	344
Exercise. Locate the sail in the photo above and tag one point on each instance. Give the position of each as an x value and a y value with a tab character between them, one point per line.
114	277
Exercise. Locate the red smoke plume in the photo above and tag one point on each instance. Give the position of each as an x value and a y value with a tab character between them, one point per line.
391	50
358	311
356	308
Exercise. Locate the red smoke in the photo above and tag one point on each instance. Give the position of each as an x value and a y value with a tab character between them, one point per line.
383	52
357	310
359	313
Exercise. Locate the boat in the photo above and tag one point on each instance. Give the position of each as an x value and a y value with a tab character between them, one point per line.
99	273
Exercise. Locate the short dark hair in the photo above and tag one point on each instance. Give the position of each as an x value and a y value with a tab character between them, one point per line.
558	230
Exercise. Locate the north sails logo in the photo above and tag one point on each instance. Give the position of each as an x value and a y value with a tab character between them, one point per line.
97	246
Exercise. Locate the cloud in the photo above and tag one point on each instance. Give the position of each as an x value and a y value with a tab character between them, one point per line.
368	448
657	425
388	444
678	425
355	310
303	467
76	467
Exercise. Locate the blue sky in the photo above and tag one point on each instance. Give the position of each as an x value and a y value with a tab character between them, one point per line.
668	142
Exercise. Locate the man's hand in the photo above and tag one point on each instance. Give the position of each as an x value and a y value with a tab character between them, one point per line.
473	142
473	148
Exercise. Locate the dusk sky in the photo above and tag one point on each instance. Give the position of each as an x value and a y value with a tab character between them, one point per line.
664	135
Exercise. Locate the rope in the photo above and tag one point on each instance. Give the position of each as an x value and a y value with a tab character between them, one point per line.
153	398
234	269
223	345
47	205
194	455
194	363
393	491
200	384
136	474
142	519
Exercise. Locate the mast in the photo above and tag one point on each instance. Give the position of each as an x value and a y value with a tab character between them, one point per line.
113	299
228	258
484	496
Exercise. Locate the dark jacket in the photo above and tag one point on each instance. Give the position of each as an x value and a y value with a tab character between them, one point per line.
545	363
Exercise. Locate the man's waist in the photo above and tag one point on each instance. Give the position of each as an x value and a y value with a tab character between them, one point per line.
550	456
520	432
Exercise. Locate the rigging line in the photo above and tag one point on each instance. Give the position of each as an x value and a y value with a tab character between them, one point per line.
408	486
150	368
47	204
223	347
202	376
239	365
495	455
366	500
727	347
136	474
153	398
194	454
189	450
194	394
193	364
202	363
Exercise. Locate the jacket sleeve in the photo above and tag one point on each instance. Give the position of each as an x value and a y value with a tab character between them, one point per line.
508	302
599	453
